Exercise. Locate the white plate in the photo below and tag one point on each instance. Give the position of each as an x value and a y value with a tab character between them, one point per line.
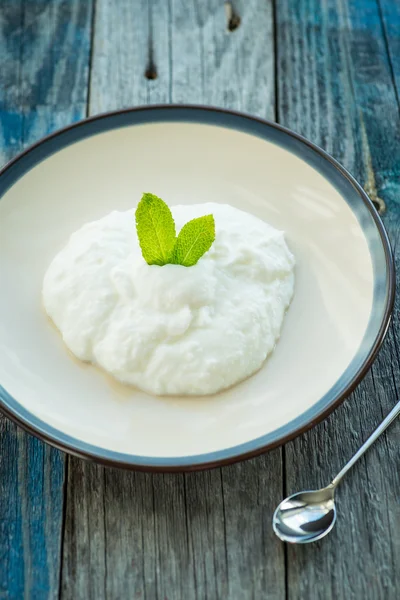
342	304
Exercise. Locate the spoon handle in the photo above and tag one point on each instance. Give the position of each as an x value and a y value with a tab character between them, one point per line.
374	436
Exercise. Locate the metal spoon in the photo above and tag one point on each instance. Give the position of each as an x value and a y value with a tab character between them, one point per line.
309	516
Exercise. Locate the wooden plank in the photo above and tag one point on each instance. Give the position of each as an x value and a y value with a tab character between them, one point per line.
390	12
11	15
204	535
335	86
44	52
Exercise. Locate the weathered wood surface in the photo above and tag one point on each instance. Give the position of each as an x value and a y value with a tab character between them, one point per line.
391	26
329	70
44	60
340	94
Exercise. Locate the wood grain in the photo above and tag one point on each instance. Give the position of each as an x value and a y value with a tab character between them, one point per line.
336	87
11	16
42	87
208	535
204	535
390	13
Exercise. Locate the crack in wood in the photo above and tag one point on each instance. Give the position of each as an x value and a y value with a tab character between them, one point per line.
151	68
370	183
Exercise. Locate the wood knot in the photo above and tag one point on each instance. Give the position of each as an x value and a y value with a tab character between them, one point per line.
232	18
151	72
378	203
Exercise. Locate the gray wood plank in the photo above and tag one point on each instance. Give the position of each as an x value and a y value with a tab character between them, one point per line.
44	54
335	86
202	535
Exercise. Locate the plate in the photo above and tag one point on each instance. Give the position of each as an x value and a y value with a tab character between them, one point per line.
187	154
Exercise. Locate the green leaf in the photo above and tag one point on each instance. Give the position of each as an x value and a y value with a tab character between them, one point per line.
156	230
194	239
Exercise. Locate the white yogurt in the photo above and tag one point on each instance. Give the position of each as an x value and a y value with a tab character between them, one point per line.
172	329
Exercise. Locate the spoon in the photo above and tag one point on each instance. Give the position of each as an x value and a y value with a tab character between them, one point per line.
309	516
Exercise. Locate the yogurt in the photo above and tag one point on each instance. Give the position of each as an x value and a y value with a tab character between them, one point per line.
172	330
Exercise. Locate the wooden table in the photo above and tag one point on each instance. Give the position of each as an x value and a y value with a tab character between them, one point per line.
329	69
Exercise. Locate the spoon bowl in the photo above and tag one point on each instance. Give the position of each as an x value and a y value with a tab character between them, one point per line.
305	517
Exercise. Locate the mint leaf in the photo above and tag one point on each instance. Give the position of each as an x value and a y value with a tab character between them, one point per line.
157	238
156	230
194	239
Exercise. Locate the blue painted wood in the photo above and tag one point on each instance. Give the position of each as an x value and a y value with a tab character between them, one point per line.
11	15
31	509
335	85
390	10
44	67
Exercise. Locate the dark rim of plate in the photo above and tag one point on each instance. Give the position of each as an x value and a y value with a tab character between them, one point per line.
25	419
